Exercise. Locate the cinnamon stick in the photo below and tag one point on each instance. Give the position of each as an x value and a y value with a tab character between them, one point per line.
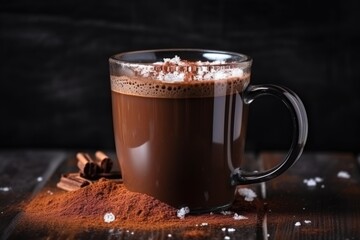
103	161
88	168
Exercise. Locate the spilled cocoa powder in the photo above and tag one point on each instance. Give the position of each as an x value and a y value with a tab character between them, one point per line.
86	207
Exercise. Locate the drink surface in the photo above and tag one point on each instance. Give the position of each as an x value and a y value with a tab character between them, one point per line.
180	79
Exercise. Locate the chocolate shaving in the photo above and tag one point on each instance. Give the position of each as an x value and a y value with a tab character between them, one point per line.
72	182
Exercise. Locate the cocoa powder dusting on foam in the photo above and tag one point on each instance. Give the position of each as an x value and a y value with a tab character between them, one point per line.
86	207
177	78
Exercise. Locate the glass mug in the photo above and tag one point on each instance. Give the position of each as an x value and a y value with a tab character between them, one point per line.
179	119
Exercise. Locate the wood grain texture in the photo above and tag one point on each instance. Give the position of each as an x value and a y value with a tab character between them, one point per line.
14	230
331	206
24	173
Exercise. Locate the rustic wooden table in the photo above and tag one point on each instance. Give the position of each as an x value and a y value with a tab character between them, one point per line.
315	199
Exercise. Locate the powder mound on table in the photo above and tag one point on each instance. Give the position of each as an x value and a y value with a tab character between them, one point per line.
86	207
98	199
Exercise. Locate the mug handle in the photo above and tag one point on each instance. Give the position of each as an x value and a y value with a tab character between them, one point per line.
300	131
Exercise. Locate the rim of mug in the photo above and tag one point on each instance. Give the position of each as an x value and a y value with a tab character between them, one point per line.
243	58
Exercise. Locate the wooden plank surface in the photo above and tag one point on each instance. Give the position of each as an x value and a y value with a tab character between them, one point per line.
328	210
16	231
22	175
331	206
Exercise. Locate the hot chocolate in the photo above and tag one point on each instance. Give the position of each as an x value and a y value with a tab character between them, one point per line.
179	141
180	117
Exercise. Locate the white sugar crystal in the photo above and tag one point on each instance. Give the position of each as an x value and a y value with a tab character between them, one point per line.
307	221
247	193
239	217
343	174
204	224
297	224
4	189
228	229
219	75
109	217
200	72
226	237
169	235
318	179
226	212
237	72
174	77
174	60
182	212
39	179
310	182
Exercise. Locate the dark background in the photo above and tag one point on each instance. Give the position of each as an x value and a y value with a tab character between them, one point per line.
55	92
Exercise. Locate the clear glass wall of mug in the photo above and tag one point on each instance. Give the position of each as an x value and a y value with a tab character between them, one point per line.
180	118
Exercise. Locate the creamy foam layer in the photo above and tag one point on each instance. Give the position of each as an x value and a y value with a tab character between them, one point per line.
146	87
176	78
